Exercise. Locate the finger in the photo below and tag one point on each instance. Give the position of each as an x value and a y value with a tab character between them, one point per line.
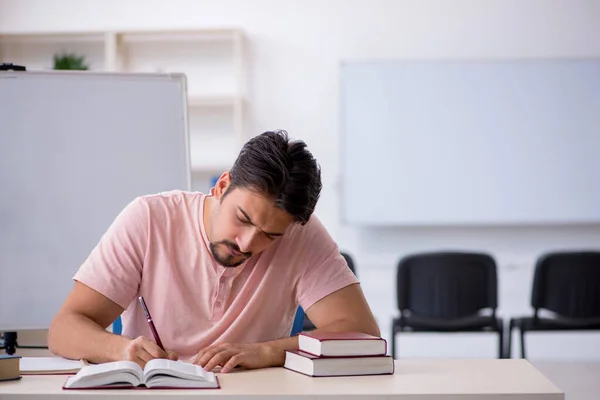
219	359
233	362
172	355
209	353
144	356
140	361
197	358
153	349
211	348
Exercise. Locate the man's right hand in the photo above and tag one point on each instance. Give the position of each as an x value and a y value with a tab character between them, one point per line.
141	350
79	331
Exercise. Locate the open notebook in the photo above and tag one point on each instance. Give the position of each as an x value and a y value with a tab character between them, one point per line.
158	374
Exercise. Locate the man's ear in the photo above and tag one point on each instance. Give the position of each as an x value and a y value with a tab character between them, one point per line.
222	185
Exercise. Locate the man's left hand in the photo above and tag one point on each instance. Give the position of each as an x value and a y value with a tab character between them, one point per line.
231	355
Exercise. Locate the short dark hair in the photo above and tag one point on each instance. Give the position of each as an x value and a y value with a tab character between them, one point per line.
284	170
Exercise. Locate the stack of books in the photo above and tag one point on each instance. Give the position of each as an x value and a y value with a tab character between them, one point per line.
9	368
339	354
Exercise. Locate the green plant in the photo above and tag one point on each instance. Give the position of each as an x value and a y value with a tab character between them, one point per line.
70	61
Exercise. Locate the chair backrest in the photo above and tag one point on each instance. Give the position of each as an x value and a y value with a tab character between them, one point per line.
568	284
350	262
298	322
117	326
447	284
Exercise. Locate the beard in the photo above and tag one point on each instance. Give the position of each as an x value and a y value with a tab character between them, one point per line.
228	260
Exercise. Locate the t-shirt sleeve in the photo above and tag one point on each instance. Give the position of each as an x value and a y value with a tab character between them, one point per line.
114	267
324	269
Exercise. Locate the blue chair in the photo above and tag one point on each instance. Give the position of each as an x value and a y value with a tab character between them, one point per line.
298	322
117	326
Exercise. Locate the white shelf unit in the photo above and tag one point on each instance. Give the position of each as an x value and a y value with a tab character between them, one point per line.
212	60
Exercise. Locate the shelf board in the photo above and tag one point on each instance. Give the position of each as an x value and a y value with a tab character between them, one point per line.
58	37
208	35
144	36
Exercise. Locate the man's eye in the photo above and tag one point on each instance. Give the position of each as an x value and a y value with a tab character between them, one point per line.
242	220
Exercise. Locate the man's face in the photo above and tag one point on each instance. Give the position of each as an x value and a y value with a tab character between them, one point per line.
244	223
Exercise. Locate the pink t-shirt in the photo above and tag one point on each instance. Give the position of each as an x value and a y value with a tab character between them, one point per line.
157	248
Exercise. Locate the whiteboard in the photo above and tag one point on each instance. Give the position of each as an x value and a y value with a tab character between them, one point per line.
75	148
470	142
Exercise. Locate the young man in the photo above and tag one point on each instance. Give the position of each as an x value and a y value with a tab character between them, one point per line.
222	274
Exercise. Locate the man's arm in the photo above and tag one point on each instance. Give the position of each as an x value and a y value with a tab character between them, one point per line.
343	310
78	331
346	310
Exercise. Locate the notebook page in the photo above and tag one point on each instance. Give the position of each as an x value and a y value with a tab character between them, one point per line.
32	365
177	368
106	368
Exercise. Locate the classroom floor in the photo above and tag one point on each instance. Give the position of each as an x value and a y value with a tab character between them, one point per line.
579	380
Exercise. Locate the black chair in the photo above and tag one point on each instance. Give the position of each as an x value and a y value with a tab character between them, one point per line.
308	325
447	292
567	284
350	262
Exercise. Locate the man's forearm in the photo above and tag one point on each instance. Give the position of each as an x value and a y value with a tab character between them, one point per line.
78	337
279	346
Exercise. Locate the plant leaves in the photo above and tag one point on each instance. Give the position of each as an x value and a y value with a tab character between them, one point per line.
69	61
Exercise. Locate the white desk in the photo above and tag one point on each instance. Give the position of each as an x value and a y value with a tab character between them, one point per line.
493	379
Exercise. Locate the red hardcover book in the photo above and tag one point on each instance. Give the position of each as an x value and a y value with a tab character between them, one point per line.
158	374
308	364
341	344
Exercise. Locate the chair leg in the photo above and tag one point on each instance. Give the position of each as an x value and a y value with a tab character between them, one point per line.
509	340
393	342
522	331
501	342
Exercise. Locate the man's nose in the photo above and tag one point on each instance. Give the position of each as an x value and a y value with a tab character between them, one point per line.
247	240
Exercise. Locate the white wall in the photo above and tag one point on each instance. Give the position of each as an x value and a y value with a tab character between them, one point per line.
295	51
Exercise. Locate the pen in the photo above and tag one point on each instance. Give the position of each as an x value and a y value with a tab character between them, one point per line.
152	327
